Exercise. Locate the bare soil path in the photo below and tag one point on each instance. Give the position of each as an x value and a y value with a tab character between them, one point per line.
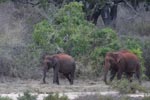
80	85
13	87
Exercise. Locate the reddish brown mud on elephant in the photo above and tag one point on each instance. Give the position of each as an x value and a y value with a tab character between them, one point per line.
61	63
121	62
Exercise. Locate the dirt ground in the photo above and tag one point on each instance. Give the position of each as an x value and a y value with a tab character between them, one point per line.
16	85
80	85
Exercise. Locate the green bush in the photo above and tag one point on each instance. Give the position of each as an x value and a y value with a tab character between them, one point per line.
56	97
71	13
146	98
74	35
5	98
70	22
27	63
27	96
135	46
104	40
146	53
1	1
94	97
42	34
103	97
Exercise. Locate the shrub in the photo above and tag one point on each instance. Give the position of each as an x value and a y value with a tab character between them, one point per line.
27	63
71	13
27	96
74	35
146	98
94	97
1	1
72	26
104	40
146	53
101	97
124	86
42	35
56	97
5	98
135	46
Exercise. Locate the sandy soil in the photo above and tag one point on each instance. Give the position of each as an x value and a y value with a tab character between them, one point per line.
80	85
35	86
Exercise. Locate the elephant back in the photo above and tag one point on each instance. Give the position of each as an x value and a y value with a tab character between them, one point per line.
64	57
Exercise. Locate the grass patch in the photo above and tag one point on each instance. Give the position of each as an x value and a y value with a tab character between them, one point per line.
56	97
27	96
146	98
5	98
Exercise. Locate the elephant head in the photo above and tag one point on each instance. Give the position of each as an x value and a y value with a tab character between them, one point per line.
49	62
111	60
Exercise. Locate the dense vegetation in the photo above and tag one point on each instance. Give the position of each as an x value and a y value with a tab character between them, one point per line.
71	33
67	29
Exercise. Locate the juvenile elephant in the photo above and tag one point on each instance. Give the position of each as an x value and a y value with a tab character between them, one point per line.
121	62
62	63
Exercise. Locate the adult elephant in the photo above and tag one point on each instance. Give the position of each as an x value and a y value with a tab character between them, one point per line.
121	62
62	63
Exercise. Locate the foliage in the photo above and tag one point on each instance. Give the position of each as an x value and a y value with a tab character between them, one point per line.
73	27
94	97
104	40
146	53
103	97
135	46
42	34
27	63
124	86
105	37
71	13
1	1
148	1
44	4
146	98
77	37
5	98
27	96
56	97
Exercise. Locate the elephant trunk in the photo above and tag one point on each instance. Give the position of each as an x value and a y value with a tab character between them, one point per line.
45	69
44	75
106	69
105	77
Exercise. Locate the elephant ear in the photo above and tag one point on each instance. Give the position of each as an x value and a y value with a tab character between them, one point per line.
117	56
54	60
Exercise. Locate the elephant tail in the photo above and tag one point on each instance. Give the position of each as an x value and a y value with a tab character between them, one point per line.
74	65
138	72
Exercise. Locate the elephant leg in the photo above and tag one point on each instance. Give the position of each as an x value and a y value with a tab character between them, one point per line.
119	75
55	77
44	76
113	73
138	76
138	73
129	76
68	77
57	80
72	78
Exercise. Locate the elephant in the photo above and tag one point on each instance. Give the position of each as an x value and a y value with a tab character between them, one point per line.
61	63
121	62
